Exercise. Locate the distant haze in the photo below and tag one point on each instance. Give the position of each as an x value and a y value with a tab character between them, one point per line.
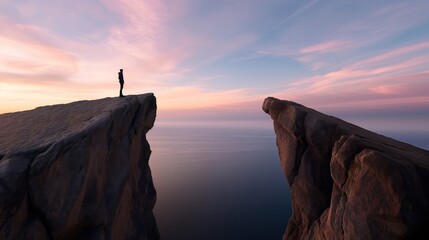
366	61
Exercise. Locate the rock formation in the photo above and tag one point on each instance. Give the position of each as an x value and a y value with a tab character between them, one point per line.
347	182
78	171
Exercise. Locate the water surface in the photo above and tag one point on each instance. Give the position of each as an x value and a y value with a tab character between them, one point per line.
218	183
224	183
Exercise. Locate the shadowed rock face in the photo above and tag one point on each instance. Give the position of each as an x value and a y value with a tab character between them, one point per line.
347	182
78	171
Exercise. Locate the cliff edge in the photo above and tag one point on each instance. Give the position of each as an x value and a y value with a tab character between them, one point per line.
347	182
78	171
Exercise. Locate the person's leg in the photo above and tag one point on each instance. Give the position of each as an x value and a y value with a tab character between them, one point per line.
120	91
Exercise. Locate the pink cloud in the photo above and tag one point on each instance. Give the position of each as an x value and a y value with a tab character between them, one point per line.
366	92
319	56
393	77
32	57
393	55
365	74
29	61
388	89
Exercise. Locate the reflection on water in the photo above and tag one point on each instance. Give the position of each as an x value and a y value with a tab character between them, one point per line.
218	183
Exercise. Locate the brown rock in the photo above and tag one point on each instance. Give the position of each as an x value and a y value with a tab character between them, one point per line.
78	171
347	182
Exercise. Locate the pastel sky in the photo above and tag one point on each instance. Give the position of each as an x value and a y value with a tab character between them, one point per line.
217	60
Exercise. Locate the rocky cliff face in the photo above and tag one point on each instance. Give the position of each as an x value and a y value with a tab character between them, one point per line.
78	171
347	182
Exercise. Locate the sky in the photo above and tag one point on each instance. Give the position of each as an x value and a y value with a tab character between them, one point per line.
212	61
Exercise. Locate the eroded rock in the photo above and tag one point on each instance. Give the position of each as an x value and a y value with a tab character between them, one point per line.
347	182
78	171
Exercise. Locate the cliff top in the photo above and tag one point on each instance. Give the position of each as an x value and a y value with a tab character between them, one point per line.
277	109
44	125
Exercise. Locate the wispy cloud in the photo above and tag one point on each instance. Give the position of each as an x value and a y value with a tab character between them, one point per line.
396	76
289	17
330	46
25	54
395	54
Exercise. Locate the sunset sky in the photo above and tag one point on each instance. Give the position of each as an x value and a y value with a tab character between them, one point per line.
218	60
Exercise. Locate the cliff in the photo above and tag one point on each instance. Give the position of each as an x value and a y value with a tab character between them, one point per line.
347	182
78	171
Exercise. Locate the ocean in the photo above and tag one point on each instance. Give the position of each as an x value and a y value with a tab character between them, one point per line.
224	183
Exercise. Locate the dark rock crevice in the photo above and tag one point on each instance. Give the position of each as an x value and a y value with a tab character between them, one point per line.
45	228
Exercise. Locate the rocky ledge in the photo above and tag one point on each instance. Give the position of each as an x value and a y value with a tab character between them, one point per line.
78	171
347	182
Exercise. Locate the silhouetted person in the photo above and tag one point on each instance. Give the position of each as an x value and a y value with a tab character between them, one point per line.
121	81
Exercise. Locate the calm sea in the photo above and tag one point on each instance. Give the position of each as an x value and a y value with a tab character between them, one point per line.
223	183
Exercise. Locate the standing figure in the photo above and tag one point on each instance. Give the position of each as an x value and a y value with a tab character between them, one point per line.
121	81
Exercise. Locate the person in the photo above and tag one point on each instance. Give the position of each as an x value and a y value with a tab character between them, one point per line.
121	81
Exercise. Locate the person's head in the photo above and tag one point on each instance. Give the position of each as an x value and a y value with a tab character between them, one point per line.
120	70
